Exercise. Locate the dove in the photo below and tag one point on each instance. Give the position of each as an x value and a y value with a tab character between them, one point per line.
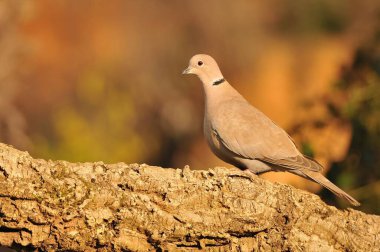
243	136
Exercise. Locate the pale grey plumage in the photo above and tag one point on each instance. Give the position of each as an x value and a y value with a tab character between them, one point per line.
241	135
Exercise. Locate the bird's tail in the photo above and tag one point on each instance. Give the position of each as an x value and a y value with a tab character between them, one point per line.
320	179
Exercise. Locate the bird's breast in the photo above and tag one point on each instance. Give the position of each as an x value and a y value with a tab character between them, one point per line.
217	146
211	137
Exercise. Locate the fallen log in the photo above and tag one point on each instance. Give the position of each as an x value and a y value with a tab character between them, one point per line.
57	205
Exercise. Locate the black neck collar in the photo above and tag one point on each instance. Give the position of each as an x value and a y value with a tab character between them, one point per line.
217	82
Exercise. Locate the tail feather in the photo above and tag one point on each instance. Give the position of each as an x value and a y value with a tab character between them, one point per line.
320	179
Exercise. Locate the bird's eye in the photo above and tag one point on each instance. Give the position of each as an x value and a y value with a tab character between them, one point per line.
200	63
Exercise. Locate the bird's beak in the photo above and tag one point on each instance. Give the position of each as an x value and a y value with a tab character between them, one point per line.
188	70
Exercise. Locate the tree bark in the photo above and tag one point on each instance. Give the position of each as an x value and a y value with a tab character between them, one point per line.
57	205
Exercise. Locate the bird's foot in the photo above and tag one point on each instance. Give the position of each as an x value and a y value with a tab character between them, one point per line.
245	174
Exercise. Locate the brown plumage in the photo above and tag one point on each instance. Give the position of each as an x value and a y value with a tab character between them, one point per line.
243	136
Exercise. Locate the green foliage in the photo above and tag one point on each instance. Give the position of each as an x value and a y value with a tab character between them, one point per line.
101	127
362	165
307	149
304	17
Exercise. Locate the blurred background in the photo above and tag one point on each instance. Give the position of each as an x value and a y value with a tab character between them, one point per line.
90	80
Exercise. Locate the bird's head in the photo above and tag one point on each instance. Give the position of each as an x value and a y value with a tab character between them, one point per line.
206	68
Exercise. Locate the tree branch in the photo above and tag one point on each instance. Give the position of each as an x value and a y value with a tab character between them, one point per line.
57	205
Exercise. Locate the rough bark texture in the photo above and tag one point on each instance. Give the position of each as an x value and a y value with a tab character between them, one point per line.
56	205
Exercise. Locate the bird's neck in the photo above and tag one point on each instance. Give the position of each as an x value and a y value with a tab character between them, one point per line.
217	93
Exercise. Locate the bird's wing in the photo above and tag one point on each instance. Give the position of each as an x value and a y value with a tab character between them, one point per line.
250	134
296	162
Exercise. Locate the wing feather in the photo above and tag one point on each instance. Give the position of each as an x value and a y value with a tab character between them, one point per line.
250	134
